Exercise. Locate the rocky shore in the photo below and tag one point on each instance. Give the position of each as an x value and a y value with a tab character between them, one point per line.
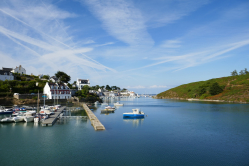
205	100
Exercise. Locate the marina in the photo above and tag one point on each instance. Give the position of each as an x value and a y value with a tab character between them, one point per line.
52	118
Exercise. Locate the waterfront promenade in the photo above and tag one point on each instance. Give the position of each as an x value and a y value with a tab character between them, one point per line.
97	125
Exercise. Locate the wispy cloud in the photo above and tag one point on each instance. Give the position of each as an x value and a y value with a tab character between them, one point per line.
47	45
171	44
122	20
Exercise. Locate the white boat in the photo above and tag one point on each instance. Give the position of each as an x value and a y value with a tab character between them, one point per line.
29	118
36	119
109	107
5	111
45	110
118	104
104	104
136	113
18	119
7	119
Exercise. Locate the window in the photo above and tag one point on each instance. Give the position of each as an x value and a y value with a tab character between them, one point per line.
59	97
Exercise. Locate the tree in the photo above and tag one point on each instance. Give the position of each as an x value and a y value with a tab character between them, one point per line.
107	87
245	71
62	76
113	87
46	77
242	72
123	90
234	73
215	89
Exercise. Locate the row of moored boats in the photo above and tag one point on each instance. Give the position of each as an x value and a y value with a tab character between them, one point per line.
21	115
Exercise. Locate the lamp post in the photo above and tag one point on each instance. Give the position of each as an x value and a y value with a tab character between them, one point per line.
37	99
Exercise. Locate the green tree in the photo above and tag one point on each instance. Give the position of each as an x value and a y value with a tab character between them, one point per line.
215	89
201	90
242	72
234	73
107	87
245	71
46	77
63	77
123	90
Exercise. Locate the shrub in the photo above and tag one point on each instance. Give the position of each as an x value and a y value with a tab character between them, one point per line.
215	89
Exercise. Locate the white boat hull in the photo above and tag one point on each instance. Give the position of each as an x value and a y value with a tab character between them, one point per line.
6	120
36	120
18	119
29	118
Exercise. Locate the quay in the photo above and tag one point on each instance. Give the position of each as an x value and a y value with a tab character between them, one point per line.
77	117
97	125
53	118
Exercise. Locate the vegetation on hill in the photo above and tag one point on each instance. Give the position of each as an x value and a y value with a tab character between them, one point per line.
233	88
22	84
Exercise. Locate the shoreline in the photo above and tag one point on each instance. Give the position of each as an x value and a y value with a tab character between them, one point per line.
206	100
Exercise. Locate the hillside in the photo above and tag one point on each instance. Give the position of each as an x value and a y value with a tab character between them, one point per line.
232	88
21	84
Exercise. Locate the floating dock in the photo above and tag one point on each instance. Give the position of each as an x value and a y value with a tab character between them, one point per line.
53	118
97	125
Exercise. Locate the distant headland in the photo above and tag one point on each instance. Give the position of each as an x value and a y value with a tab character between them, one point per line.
233	88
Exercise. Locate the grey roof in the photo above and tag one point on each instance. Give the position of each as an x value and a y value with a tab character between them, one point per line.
6	69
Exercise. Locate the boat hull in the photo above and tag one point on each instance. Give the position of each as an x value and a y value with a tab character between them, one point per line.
7	120
133	115
18	119
29	118
6	112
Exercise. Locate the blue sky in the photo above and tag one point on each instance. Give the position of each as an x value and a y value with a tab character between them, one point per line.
147	46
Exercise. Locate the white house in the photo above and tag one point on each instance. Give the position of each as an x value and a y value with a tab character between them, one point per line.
19	70
57	91
132	94
82	82
5	74
54	79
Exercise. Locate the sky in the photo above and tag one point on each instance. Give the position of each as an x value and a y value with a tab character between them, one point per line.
146	46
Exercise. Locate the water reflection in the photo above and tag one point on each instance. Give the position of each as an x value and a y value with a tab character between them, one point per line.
135	121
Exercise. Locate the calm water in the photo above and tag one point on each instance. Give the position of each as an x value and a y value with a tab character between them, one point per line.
173	133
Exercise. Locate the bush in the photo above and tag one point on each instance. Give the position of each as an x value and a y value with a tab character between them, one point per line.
215	89
35	97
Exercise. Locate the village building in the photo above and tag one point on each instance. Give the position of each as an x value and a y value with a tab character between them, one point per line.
54	79
132	94
6	74
19	70
57	91
82	82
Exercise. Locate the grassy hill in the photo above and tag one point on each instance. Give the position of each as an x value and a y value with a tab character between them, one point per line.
233	88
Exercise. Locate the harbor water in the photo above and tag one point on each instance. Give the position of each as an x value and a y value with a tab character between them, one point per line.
172	133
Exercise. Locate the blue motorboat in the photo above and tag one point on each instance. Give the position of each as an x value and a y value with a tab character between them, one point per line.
135	114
